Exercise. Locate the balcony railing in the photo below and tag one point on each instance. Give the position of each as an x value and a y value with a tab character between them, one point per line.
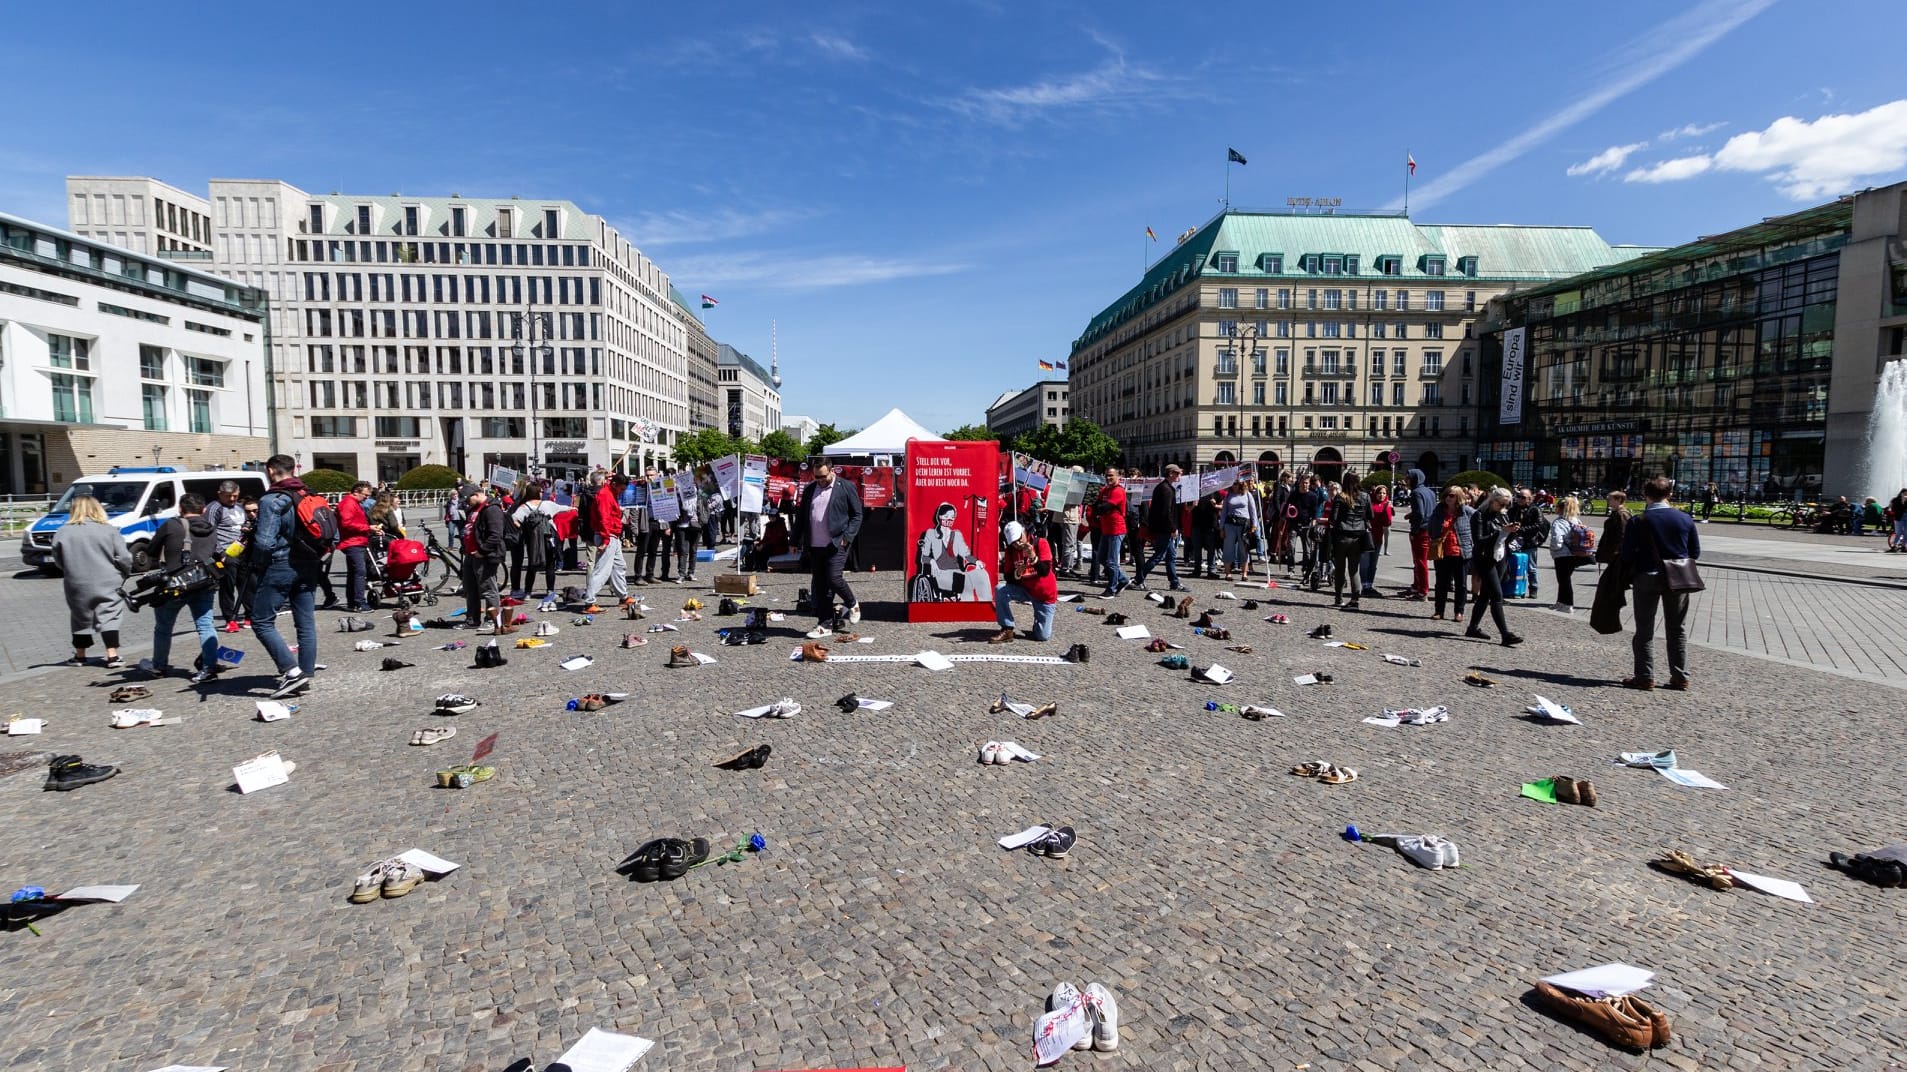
185	254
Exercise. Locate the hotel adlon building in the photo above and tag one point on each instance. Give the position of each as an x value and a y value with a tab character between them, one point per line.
1311	342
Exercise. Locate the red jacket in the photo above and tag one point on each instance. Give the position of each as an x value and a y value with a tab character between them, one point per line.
1112	512
354	528
606	523
1024	569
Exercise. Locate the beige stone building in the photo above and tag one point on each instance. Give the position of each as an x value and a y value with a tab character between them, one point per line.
1312	342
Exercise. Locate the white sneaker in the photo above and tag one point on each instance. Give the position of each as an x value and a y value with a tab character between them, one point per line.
989	753
1105	1017
854	614
1065	996
820	632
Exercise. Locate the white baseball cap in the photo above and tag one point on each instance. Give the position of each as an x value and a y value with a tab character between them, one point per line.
1014	530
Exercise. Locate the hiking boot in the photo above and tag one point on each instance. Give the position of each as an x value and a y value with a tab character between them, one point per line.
1622	1021
1078	653
680	658
1004	636
1184	609
64	773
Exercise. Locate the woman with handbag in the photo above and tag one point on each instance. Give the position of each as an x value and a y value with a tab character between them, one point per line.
1450	548
1659	548
1349	536
1490	532
189	548
1239	516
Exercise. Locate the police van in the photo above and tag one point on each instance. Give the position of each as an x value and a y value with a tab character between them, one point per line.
136	499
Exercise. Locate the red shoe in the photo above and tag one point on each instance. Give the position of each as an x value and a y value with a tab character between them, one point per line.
510	601
233	627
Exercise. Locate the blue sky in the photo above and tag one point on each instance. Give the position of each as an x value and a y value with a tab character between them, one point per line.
930	198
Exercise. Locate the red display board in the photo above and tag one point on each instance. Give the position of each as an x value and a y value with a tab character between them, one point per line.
953	530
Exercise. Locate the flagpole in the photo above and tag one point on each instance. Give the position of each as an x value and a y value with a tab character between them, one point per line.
1228	180
1407	184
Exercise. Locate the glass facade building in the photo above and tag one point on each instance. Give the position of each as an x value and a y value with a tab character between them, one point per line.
1706	362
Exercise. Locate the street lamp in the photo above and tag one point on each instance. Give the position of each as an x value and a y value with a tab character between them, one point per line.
1250	352
539	323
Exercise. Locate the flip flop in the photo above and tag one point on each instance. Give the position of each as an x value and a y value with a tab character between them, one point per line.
130	694
434	735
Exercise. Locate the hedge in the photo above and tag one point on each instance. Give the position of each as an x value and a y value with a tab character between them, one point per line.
1482	478
327	481
1383	478
429	478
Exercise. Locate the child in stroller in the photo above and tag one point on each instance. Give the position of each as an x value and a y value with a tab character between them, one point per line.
399	566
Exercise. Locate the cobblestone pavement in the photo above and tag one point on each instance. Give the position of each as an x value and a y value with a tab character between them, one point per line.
884	926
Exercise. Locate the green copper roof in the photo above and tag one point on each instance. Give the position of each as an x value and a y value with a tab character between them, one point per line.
1504	254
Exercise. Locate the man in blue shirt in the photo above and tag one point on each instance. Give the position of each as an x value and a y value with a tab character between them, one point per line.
1659	532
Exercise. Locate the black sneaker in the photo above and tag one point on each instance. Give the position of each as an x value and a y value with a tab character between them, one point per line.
291	681
1511	640
1055	845
1322	632
1078	653
65	773
849	703
202	676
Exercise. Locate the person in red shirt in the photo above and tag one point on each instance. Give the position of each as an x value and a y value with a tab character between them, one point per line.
1109	536
1026	571
605	535
354	539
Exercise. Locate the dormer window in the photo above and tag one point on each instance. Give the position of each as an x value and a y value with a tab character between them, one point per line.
1433	265
1273	263
1227	263
1468	266
1333	265
551	219
457	221
317	219
1350	265
504	221
410	219
1390	265
364	219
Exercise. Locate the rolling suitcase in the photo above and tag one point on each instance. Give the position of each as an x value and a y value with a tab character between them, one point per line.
1519	579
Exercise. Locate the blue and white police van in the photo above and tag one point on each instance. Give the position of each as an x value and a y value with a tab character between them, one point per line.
137	499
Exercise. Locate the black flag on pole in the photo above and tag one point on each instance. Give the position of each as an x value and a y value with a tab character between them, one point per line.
1233	156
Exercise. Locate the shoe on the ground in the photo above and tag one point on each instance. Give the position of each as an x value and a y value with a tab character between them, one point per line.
1065	996
291	681
1678	684
854	614
401	877
814	653
644	864
989	753
1625	1021
1322	632
747	759
370	884
680	658
1511	640
1105	1012
1565	790
1078	653
463	777
1004	636
65	773
434	735
1640	683
456	703
1056	844
678	856
1586	794
819	632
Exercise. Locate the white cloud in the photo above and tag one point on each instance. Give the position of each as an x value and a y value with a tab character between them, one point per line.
1686	167
789	272
1664	48
839	47
1608	160
1690	130
656	229
1807	160
1115	83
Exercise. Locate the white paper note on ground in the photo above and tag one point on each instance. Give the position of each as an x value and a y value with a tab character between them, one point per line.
932	660
261	773
192	1068
1133	632
705	660
429	862
576	662
874	705
115	894
1780	887
1694	779
1603	980
1307	679
604	1051
20	727
1380	720
1025	837
1554	711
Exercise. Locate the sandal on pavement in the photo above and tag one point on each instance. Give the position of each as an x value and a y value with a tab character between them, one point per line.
1339	776
1479	681
130	694
1681	863
434	735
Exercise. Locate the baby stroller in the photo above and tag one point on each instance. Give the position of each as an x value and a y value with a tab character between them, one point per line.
400	567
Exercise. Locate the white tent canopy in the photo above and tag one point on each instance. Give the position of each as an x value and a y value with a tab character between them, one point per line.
889	435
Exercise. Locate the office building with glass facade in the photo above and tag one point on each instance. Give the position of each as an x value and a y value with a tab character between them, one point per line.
1716	361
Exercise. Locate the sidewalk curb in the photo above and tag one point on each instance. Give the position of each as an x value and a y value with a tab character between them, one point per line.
1900	585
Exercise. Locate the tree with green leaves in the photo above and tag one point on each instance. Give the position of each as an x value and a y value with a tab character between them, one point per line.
971	433
707	445
779	444
825	436
1080	443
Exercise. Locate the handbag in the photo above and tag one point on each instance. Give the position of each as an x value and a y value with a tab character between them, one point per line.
1678	574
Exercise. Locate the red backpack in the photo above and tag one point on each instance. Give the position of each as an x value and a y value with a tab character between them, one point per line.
316	534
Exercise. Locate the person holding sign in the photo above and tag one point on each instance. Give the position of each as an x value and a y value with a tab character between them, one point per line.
1026	569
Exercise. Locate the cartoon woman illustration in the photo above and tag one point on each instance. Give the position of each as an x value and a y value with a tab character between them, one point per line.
945	570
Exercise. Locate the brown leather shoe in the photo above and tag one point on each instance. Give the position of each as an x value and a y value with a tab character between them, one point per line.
1642	683
680	658
1658	1022
1623	1021
1565	789
814	653
1680	684
1185	608
1004	636
1586	794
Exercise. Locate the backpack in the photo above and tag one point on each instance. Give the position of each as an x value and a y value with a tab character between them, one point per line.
584	525
1579	541
315	534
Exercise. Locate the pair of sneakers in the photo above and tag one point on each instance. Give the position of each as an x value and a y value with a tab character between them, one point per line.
391	878
1077	1020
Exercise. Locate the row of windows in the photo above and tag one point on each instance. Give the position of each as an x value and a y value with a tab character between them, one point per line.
1333	298
457	225
438	324
1343	264
450	360
537	255
1226	426
1336	362
1330	394
413	288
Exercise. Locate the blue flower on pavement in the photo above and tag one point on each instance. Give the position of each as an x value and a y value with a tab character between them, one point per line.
757	843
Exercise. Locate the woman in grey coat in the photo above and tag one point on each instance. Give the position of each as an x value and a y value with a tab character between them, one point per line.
92	555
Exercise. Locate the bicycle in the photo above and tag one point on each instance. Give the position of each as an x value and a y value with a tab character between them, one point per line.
452	578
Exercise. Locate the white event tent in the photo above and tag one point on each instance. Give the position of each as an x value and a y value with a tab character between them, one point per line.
889	435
